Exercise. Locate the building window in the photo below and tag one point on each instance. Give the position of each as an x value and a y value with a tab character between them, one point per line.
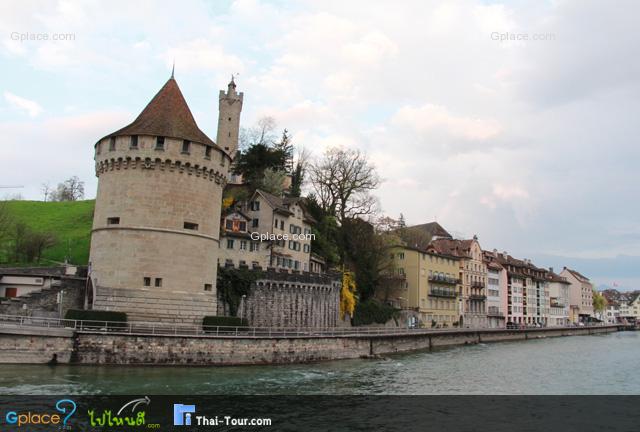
276	224
191	226
159	143
243	245
186	146
255	222
306	248
147	281
208	287
207	152
229	244
254	246
134	142
158	282
254	205
113	221
401	255
282	225
112	144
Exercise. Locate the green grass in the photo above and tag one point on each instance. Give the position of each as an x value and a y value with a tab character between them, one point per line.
69	221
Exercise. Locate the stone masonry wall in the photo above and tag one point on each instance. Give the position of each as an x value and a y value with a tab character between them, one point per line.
291	300
44	303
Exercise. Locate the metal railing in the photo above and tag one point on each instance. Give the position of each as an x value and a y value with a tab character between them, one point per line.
170	329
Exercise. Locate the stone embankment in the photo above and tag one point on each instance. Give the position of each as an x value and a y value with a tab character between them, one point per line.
37	345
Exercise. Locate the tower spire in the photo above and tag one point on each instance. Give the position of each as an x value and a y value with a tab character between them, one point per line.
173	68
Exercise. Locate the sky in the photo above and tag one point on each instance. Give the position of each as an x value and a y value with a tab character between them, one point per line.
515	121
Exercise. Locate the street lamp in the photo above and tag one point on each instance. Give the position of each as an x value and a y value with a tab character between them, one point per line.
242	306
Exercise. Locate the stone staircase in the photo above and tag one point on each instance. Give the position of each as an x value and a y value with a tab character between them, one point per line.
44	303
151	305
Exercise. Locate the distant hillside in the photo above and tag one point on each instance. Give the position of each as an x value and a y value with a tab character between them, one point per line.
69	221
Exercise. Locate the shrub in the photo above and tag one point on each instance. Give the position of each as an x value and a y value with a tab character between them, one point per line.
115	319
372	311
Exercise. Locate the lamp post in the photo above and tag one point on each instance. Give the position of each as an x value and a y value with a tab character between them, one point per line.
242	306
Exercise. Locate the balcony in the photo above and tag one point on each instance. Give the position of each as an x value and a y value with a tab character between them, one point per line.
444	279
477	297
436	292
477	284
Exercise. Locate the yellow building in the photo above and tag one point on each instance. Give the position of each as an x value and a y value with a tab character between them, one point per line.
426	285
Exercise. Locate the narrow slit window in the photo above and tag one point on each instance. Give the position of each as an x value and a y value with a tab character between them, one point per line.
112	144
158	282
207	152
147	281
160	143
191	226
186	146
134	142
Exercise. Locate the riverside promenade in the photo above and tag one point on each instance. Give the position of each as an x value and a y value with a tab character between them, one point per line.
36	340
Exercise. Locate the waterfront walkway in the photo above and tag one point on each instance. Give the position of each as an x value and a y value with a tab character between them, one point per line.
24	323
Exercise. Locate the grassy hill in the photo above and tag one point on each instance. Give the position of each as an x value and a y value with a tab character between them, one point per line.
69	221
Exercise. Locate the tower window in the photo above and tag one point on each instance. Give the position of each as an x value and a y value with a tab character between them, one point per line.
191	226
208	287
229	118
160	143
229	134
112	144
134	142
186	146
207	152
158	282
98	146
113	221
147	281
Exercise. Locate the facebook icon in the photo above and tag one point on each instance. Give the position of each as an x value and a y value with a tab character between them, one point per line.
182	414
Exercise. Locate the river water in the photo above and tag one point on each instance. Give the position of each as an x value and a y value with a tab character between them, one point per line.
598	364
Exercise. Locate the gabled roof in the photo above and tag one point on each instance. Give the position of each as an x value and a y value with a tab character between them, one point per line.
577	275
432	228
459	248
282	204
166	115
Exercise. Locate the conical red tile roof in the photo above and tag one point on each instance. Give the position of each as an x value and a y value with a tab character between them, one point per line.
166	115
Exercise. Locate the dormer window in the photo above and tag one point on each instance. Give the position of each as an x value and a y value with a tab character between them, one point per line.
134	142
112	144
160	143
186	146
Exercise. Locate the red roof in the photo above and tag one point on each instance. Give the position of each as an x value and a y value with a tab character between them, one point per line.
167	115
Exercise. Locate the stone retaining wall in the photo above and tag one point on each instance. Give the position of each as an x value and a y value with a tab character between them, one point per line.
37	346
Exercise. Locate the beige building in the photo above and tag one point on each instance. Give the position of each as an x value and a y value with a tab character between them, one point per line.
580	295
473	274
426	285
155	237
277	234
558	300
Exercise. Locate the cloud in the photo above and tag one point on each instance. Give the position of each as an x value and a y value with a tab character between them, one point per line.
32	108
432	117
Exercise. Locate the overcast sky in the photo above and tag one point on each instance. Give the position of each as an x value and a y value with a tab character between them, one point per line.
532	144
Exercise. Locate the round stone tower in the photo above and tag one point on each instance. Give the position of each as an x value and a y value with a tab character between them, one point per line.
154	243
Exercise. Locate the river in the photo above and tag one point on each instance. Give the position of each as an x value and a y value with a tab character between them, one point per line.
598	364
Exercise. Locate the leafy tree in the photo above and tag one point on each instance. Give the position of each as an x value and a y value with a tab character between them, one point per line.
347	295
599	302
273	181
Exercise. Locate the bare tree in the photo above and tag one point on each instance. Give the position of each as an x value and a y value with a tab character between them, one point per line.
262	133
45	188
343	181
71	190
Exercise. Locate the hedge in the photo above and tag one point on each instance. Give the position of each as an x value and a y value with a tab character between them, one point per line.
224	321
374	312
117	319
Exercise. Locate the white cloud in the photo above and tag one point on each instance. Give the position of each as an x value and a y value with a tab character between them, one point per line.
32	108
429	117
